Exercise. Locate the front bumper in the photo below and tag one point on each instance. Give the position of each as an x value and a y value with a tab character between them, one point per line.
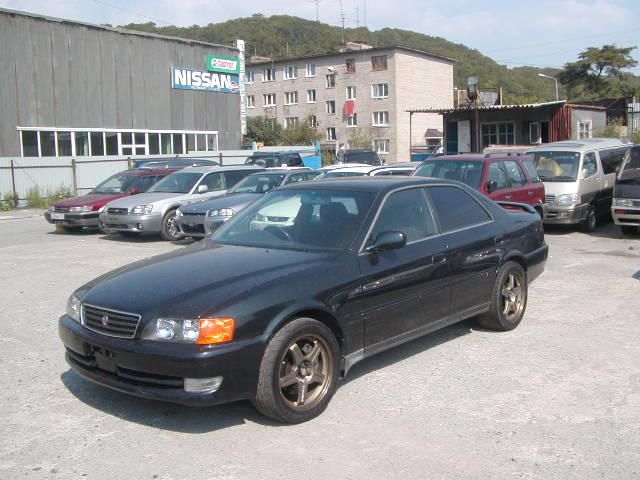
84	219
131	223
565	216
627	216
156	370
191	225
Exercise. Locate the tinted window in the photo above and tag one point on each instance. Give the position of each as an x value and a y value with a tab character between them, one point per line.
406	211
630	171
498	175
294	160
468	172
370	158
515	175
231	178
456	209
612	159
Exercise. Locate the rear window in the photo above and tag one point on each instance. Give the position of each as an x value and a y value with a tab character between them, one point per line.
361	157
630	170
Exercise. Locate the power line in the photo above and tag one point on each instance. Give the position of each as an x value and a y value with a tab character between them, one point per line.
317	2
106	4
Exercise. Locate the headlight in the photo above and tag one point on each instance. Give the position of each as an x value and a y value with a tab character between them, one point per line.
202	331
222	212
142	210
179	213
52	208
568	200
101	209
73	308
86	208
622	202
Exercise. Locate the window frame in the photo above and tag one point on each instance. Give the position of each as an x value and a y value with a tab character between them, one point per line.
381	68
293	120
379	152
588	124
373	88
351	92
308	69
352	120
334	137
315	95
497	132
291	98
264	100
272	74
327	103
289	72
333	81
250	76
251	101
350	65
373	118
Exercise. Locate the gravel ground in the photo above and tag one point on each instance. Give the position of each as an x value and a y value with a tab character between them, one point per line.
558	398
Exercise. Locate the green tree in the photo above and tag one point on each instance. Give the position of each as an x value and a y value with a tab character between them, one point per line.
359	138
264	129
596	69
301	133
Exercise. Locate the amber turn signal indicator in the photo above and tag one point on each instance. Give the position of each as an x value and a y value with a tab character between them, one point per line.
216	330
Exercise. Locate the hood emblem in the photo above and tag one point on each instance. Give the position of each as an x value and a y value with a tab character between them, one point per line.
105	320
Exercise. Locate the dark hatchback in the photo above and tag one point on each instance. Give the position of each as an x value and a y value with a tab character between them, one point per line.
275	159
625	208
276	314
201	218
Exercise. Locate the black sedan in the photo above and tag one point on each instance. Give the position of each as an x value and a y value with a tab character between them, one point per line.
277	311
201	218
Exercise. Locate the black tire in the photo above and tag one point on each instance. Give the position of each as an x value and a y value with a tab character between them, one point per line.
628	229
169	230
590	222
101	227
129	234
504	314
279	366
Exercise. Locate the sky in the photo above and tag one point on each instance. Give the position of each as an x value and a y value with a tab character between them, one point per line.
514	33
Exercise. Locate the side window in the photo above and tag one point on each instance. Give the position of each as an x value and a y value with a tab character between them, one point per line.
589	164
294	160
515	175
213	181
531	168
231	178
457	209
612	159
497	174
296	177
407	211
145	183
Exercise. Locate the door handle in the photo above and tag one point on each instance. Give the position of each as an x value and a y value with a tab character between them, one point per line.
439	259
507	197
530	193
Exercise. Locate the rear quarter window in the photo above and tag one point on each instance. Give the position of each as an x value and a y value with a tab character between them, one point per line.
456	209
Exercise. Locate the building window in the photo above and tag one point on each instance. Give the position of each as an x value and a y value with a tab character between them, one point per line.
290	98
251	101
380	90
289	72
381	145
313	121
351	65
290	122
268	75
331	106
311	96
269	99
584	129
378	62
352	120
250	76
91	142
311	70
331	133
380	119
331	80
351	93
498	134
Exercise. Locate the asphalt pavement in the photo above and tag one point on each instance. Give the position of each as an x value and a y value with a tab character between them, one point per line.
558	398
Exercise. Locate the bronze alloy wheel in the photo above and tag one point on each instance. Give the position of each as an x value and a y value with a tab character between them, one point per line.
512	301
306	372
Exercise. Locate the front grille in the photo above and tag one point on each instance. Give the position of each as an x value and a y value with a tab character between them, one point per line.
195	214
549	199
277	219
61	209
198	228
110	322
117	211
120	226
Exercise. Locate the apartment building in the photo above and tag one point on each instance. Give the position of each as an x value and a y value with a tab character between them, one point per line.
364	92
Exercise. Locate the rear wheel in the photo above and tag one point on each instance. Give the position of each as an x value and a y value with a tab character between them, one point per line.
590	222
628	229
508	299
299	372
170	230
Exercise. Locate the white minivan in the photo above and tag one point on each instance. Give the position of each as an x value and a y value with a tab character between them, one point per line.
578	177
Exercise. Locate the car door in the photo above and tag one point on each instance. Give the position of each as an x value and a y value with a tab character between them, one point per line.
590	179
496	173
404	290
473	241
518	182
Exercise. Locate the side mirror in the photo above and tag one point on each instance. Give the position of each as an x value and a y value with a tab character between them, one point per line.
584	173
391	240
203	189
492	186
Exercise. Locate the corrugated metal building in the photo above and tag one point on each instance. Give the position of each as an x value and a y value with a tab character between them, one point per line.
76	89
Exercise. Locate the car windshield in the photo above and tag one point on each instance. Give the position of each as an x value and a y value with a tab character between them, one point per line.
360	157
339	174
469	172
557	166
179	182
320	220
258	183
630	171
118	183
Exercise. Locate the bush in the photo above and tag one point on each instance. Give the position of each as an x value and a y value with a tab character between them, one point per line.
34	199
8	202
612	130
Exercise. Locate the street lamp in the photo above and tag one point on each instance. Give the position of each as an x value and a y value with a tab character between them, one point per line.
552	78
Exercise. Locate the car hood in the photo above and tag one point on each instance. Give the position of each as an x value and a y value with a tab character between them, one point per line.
200	280
234	200
96	200
146	199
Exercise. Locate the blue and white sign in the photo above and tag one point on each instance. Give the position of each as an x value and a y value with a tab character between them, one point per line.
187	79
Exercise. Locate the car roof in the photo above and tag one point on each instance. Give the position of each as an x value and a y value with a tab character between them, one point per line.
225	168
141	172
356	169
582	145
366	183
283	171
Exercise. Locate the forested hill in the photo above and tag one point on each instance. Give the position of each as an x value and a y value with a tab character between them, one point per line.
283	36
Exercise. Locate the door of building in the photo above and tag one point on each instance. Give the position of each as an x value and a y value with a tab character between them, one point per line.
464	136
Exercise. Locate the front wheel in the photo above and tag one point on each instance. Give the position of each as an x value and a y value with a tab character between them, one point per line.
508	299
590	222
299	372
170	230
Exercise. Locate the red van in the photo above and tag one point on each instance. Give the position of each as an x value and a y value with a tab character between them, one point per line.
509	178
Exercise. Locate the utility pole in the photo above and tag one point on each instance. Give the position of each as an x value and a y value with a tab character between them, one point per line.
344	42
357	17
317	2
